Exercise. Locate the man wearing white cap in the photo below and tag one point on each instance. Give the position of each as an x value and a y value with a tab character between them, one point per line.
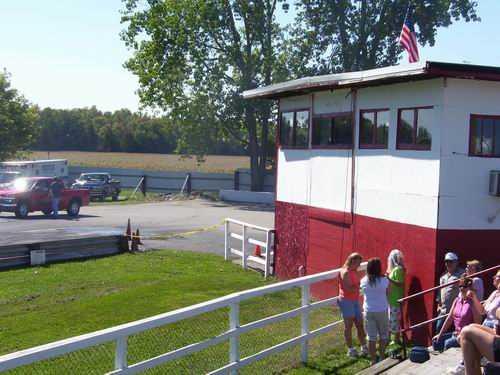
448	294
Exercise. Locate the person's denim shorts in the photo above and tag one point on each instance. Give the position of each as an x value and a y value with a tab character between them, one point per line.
447	341
350	308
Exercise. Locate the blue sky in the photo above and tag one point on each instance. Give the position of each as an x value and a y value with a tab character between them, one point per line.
67	53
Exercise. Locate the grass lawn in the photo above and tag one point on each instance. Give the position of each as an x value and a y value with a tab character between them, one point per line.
155	162
43	304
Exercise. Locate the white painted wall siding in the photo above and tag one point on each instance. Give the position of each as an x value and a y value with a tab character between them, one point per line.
332	101
295	102
293	176
400	185
465	202
331	179
390	184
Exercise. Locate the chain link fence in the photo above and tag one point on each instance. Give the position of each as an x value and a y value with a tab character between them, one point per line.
99	359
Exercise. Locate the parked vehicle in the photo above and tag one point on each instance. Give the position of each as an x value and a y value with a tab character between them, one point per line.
37	168
30	194
100	185
7	177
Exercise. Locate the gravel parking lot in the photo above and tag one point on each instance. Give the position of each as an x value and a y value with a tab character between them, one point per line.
185	225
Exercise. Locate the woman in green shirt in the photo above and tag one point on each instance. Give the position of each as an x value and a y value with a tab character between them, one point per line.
396	273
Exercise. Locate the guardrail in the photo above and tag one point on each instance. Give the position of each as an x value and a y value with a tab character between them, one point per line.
266	247
165	182
120	334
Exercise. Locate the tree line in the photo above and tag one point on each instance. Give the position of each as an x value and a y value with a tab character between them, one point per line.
89	129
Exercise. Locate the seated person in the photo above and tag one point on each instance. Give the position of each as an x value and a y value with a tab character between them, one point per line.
474	266
492	304
466	309
478	341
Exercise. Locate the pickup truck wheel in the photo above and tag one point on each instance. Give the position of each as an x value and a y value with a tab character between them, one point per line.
22	210
115	196
74	208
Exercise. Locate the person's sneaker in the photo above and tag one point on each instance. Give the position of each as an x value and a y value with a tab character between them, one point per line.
484	362
364	350
458	370
352	352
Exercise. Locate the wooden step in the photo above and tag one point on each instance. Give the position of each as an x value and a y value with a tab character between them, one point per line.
380	367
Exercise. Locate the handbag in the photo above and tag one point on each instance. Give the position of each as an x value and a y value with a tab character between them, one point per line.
419	354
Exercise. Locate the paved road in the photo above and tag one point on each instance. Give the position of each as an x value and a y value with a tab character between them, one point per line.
190	225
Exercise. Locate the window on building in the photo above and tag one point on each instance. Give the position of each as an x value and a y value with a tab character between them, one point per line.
332	131
294	129
415	128
286	128
484	136
374	128
302	129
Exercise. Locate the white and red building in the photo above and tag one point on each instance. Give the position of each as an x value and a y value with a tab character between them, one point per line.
397	157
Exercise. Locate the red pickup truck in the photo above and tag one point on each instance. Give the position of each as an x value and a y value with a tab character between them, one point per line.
31	194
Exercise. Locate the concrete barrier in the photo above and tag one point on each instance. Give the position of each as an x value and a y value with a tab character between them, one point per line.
38	253
247	196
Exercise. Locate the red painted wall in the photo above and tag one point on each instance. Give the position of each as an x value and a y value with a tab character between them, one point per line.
291	224
321	240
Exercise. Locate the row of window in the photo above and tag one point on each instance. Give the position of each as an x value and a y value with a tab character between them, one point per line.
335	130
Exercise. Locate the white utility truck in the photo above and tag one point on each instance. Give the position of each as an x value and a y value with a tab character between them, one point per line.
36	168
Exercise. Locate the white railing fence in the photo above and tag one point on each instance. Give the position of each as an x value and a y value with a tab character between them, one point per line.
245	238
121	336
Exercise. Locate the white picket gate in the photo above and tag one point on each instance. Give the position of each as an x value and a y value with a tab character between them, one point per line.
120	334
245	253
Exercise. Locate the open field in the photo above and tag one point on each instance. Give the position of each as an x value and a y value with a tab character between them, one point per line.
154	162
43	304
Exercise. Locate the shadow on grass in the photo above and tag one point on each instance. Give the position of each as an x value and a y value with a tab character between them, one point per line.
333	362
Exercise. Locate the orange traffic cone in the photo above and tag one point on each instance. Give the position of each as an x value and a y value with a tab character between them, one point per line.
128	233
257	252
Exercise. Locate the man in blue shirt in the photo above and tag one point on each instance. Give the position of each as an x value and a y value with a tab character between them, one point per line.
56	188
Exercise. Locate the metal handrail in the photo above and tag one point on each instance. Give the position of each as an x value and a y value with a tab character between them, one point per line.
401	301
447	284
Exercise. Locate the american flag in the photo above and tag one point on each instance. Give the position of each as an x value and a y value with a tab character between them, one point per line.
408	38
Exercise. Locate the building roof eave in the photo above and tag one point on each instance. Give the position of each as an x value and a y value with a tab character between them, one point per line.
373	77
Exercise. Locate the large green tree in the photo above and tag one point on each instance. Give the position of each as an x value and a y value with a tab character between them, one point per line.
17	120
195	57
350	35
